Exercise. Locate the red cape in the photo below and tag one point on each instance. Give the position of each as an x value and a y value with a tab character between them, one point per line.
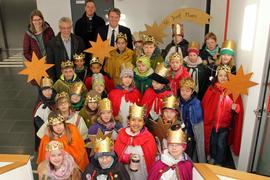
210	105
175	81
109	85
144	139
133	96
150	96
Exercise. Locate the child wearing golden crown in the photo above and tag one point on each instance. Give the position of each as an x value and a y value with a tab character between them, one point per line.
192	116
138	43
177	72
124	94
96	68
153	96
98	84
117	57
105	122
63	104
178	44
174	162
142	73
104	161
152	51
221	113
58	164
89	112
196	69
67	134
135	145
80	68
44	106
76	96
67	78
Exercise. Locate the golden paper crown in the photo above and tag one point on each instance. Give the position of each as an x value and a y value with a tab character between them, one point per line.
170	102
177	29
66	64
224	67
95	60
54	145
77	88
136	111
92	97
105	105
137	36
188	83
161	70
229	44
79	56
121	35
103	145
55	118
176	135
176	55
148	38
194	45
61	95
46	82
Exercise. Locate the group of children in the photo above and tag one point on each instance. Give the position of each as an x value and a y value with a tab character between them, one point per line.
140	114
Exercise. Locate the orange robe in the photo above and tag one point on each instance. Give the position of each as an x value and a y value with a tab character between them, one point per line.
76	149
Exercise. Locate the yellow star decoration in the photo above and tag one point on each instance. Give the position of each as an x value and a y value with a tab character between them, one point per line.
238	84
157	31
36	68
160	128
100	48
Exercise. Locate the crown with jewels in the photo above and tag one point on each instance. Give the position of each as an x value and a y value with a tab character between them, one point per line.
105	105
148	38
176	135
224	67
121	35
92	97
61	95
54	145
188	83
95	60
176	55
66	64
136	111
55	118
170	102
79	56
46	82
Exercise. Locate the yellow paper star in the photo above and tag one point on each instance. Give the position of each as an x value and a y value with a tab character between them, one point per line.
36	68
157	31
100	48
238	84
160	128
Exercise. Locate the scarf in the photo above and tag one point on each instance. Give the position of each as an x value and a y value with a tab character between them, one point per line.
192	64
109	125
144	74
212	52
66	169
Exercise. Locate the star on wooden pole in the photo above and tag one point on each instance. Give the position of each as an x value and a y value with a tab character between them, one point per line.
36	68
100	48
160	129
238	84
157	31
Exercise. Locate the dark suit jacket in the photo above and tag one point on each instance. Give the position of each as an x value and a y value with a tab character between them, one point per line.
56	53
103	31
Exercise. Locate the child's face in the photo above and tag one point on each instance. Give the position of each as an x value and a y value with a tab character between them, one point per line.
63	105
79	63
127	80
99	88
157	86
148	49
68	73
106	116
169	114
56	158
47	93
186	93
211	44
92	106
136	124
95	68
226	58
193	57
121	44
222	76
141	67
176	150
175	64
59	128
138	44
177	39
105	161
75	98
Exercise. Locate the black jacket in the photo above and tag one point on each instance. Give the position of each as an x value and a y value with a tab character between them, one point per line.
56	53
103	31
86	29
183	45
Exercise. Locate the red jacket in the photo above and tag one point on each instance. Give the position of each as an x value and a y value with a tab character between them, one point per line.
218	114
145	139
133	96
109	85
176	77
30	43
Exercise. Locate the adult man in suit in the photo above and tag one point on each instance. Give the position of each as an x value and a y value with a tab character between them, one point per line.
111	30
62	47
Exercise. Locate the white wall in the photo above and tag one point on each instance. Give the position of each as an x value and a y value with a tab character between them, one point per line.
142	12
53	10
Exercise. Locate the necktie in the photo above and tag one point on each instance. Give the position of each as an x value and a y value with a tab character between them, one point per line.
112	38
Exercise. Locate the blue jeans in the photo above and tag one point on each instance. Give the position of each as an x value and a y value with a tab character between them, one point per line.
218	144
